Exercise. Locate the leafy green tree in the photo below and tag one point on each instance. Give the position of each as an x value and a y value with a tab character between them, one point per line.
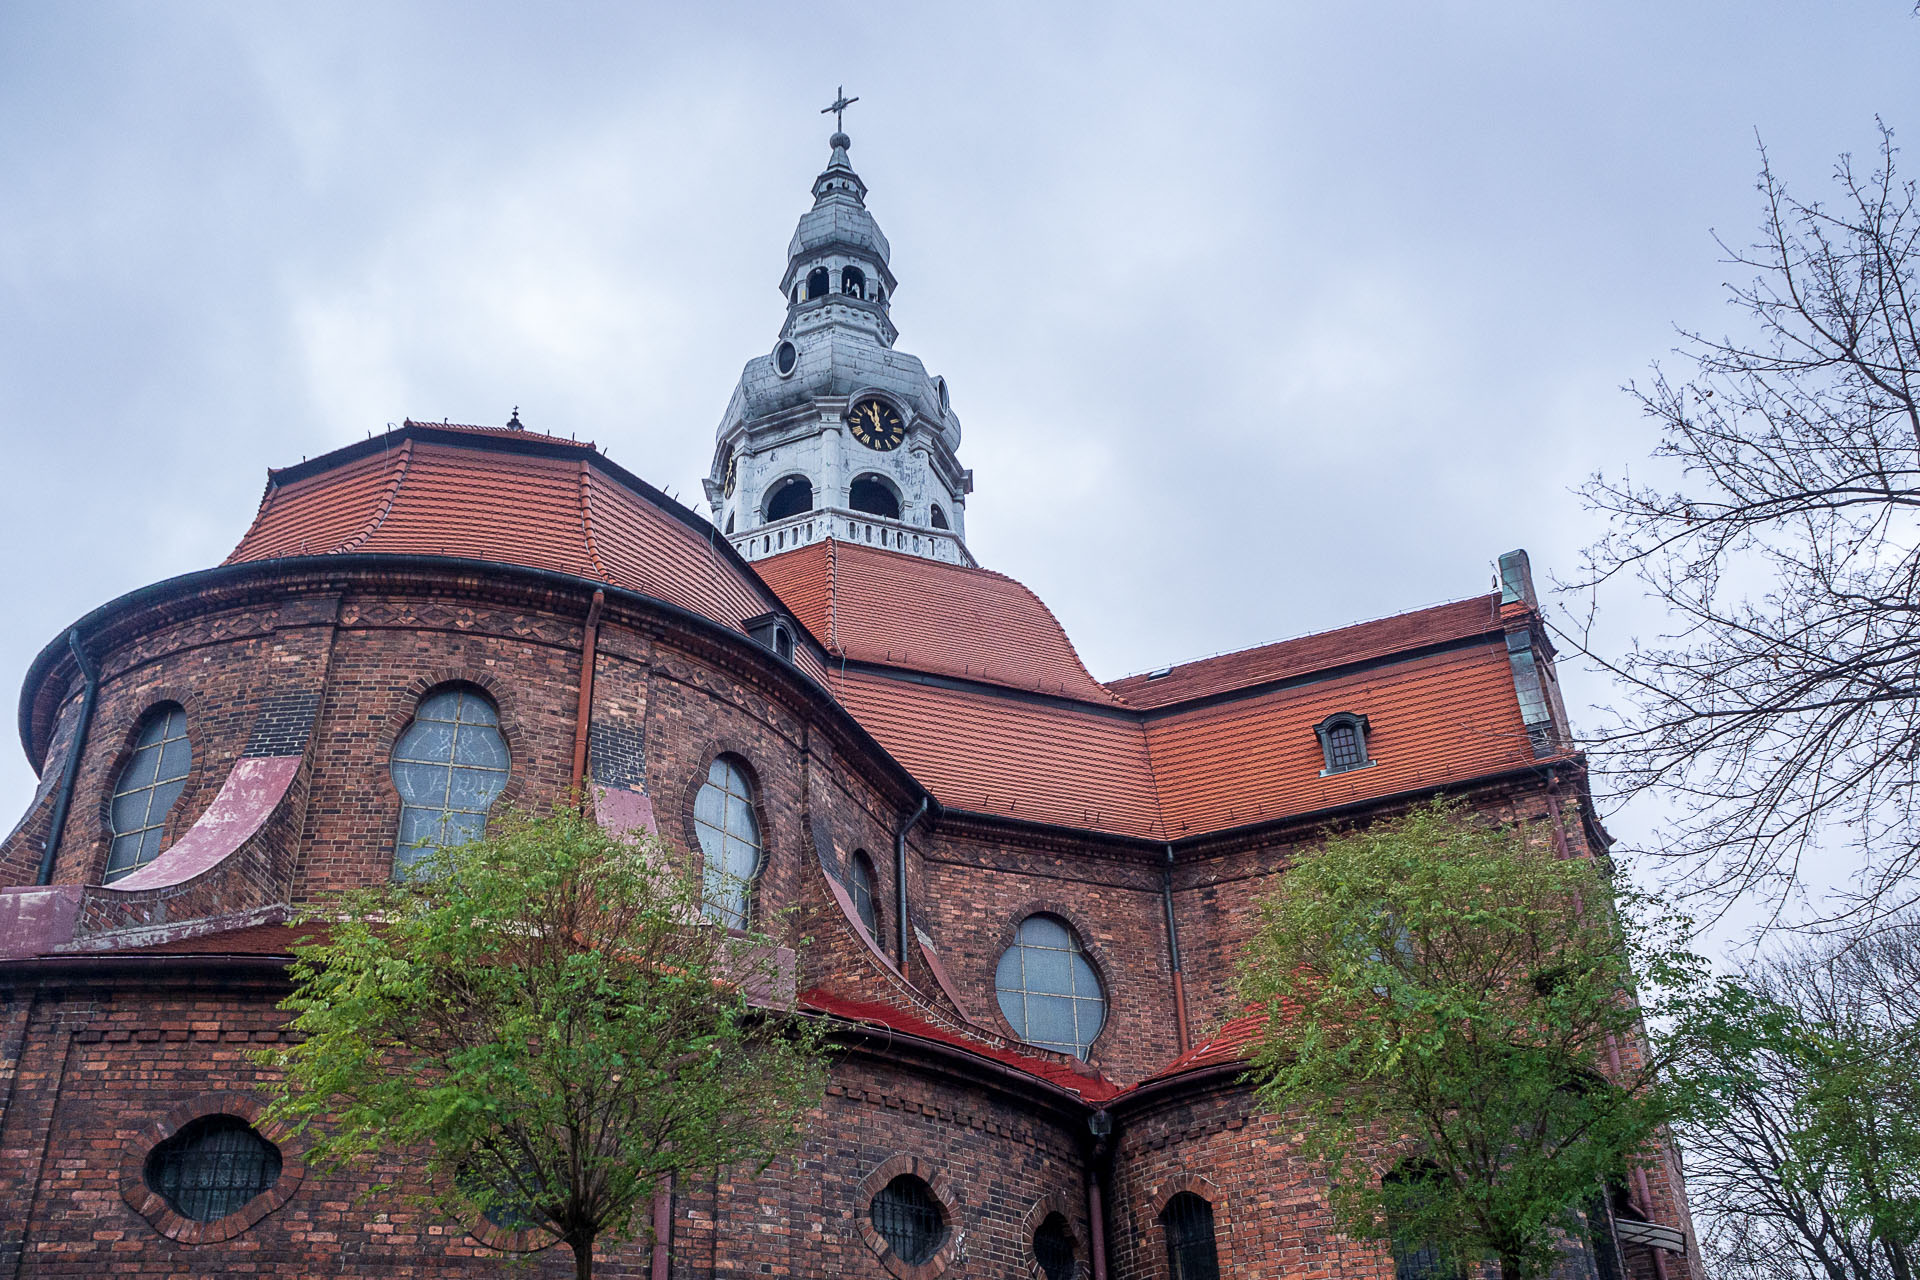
1803	1129
545	1019
1447	998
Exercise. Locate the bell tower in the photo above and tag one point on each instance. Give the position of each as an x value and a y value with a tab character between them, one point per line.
835	433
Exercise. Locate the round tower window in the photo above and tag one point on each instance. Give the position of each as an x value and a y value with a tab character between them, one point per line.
909	1217
786	358
1048	991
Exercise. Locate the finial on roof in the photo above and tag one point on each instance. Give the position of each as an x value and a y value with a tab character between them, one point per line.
514	423
839	108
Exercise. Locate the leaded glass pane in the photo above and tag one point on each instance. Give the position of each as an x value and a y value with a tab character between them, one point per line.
1053	1248
144	794
910	1218
1346	746
860	886
449	767
1048	990
212	1167
729	835
1191	1251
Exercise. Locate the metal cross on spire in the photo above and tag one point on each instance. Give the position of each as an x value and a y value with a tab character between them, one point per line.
840	104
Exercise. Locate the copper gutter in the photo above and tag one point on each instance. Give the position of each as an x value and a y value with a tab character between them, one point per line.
589	650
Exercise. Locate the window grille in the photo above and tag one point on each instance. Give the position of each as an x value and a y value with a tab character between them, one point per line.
212	1167
1048	990
449	767
1053	1248
1191	1252
730	840
860	886
144	793
910	1219
1343	739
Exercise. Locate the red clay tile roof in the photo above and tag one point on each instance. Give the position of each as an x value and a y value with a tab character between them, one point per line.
1233	1042
1051	763
1090	1085
1304	654
1436	720
882	606
515	497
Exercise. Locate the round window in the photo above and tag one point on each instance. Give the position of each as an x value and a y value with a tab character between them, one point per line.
212	1167
786	358
908	1216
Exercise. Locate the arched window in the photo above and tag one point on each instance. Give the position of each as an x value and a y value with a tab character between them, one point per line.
790	497
730	839
818	283
910	1218
853	281
1410	1184
1053	1248
860	889
871	494
1191	1251
1343	741
144	793
1048	990
212	1167
729	522
449	767
939	518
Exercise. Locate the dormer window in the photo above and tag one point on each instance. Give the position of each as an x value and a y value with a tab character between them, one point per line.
819	283
772	631
1343	741
853	282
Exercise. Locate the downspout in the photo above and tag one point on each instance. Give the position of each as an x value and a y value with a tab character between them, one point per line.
900	876
71	772
1173	955
1613	1043
1100	1124
662	1229
583	717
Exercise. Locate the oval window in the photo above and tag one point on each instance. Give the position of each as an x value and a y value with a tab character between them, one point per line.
909	1217
1048	989
786	358
212	1167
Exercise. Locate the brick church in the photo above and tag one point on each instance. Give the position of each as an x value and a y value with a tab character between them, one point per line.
1025	888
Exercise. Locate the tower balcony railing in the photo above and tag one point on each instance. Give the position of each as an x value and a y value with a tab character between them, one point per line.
810	527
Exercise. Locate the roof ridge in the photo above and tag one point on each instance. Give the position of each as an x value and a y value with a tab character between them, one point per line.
586	519
833	600
401	462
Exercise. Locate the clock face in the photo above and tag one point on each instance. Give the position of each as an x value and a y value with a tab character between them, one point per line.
876	424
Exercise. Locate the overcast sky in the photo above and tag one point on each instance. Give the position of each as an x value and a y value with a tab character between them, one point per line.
1260	319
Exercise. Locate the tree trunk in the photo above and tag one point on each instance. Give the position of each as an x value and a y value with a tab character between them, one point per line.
1510	1267
582	1247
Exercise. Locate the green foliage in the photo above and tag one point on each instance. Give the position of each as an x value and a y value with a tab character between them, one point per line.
1803	1116
542	1018
1444	998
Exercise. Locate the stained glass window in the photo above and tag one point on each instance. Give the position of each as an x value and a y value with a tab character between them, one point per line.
1048	990
730	838
910	1219
212	1167
1191	1251
147	787
449	766
860	887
